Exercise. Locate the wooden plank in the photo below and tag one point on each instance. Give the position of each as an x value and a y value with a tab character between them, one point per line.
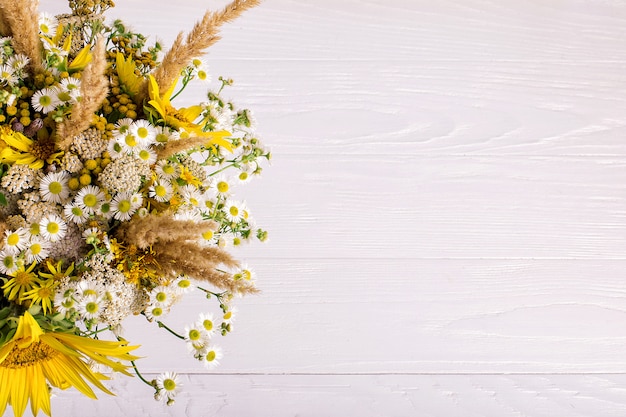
411	316
419	77
351	206
365	396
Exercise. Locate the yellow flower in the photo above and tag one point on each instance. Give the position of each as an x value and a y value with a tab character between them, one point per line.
21	281
32	359
83	57
126	73
56	272
183	118
19	149
41	294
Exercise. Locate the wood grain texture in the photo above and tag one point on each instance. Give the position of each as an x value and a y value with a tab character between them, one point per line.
446	209
370	395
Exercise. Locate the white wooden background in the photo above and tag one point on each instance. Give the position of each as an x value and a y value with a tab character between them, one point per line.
447	208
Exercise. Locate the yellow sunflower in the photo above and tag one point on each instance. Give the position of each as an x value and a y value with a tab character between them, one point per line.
32	359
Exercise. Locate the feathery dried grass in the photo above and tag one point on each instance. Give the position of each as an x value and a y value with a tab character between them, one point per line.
94	88
200	263
146	231
175	250
203	35
175	146
20	19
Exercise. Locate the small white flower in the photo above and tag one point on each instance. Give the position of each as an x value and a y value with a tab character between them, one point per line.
37	250
234	210
52	228
47	24
44	100
212	356
90	307
206	322
155	312
221	185
92	235
7	75
8	263
160	191
18	62
161	296
167	170
143	131
53	187
168	386
89	198
15	241
191	195
182	285
74	213
147	155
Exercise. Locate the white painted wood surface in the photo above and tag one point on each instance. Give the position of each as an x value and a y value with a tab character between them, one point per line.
447	208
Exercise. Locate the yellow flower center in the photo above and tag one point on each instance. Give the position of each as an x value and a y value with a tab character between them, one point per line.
90	200
210	357
91	307
234	211
142	132
55	187
21	358
208	235
13	239
228	315
194	334
168	169
161	297
52	228
23	278
222	186
124	206
35	248
130	140
169	384
160	191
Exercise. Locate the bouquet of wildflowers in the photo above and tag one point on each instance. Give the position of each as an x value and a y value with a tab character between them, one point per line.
113	202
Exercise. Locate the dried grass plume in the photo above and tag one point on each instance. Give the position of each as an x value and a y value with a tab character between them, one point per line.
93	89
203	35
20	19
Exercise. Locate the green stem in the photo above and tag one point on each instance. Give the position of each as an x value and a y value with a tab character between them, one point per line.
222	169
160	323
139	374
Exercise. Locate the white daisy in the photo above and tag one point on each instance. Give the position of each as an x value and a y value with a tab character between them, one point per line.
182	285
47	24
194	334
15	241
221	185
122	126
160	191
234	210
18	62
53	187
37	250
92	236
143	131
91	306
161	296
207	323
71	85
212	356
162	134
147	155
167	170
154	312
8	263
7	75
191	195
52	228
74	213
89	198
44	100
168	386
122	206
